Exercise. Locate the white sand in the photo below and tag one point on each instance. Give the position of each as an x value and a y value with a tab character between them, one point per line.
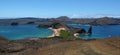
56	32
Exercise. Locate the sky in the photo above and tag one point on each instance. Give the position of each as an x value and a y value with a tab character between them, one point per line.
56	8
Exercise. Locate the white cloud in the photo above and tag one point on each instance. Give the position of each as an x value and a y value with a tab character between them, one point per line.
75	16
93	15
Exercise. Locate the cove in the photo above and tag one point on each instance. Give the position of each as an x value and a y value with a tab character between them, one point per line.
31	31
24	32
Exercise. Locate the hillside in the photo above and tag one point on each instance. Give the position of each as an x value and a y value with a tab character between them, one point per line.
110	46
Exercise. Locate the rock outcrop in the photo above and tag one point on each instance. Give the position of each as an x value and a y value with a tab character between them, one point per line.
68	28
58	26
14	23
90	30
62	26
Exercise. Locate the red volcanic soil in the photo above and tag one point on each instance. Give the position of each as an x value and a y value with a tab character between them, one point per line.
110	46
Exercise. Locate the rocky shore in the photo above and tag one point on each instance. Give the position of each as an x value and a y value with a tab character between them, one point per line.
57	27
58	46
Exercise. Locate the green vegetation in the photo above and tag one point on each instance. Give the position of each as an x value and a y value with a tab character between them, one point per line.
65	34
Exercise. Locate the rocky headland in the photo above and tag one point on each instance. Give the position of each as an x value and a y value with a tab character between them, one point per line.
57	27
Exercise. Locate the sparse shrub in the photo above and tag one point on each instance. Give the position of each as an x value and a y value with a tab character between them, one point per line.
65	34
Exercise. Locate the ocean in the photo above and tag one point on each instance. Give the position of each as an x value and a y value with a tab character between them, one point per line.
24	32
32	31
105	31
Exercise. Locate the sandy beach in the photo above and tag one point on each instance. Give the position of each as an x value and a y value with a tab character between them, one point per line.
56	32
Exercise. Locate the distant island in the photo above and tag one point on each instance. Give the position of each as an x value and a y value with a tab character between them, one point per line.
63	19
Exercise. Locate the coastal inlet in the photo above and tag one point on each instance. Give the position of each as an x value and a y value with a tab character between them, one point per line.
32	31
24	32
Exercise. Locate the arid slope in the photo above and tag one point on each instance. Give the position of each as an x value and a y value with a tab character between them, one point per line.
110	46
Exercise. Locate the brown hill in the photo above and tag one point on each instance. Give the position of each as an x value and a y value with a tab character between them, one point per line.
110	46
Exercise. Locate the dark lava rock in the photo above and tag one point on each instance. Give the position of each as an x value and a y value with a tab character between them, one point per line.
80	31
90	30
74	30
14	23
32	22
57	25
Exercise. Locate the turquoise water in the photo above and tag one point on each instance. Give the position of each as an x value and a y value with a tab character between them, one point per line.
31	31
100	31
24	32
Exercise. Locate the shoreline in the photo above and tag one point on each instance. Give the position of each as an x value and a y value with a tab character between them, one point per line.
56	32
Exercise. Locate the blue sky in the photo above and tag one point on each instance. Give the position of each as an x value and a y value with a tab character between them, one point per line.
56	8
